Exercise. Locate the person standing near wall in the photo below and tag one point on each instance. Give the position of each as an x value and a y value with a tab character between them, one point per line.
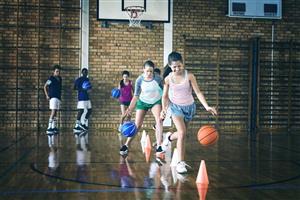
52	90
83	86
126	89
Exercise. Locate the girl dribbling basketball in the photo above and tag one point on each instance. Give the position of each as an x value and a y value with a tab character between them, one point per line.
147	96
177	94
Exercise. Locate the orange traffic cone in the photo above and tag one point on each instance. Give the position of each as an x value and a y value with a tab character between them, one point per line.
143	140
148	148
148	143
202	190
147	154
202	177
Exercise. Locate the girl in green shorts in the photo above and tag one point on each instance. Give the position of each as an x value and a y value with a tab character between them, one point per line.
147	96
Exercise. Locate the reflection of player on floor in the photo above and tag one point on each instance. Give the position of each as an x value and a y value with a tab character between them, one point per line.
53	159
82	85
82	140
83	159
52	90
150	181
128	179
53	140
53	165
126	175
165	169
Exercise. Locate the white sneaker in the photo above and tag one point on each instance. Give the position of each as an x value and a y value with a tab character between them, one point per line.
120	128
166	141
124	150
181	167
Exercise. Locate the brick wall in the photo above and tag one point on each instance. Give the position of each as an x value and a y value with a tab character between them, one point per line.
34	36
109	47
207	19
111	51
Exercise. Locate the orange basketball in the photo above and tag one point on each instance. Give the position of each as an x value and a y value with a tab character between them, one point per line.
207	135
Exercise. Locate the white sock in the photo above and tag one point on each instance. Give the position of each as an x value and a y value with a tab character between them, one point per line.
77	123
52	140
85	122
50	123
86	139
77	138
54	123
49	141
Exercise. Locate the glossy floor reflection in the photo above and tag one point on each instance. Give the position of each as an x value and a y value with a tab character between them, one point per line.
90	167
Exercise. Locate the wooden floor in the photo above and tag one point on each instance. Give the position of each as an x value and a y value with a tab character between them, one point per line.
239	167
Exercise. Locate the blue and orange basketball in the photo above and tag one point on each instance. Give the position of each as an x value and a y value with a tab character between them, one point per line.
86	85
129	129
115	93
207	135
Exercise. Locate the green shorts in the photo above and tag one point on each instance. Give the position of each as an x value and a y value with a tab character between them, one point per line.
140	105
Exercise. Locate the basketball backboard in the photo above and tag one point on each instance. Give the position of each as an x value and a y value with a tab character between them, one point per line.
114	10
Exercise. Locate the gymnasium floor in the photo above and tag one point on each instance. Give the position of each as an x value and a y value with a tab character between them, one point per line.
238	167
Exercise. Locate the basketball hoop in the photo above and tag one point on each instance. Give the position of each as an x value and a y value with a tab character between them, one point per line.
134	13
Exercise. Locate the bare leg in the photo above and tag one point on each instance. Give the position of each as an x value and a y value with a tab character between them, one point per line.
174	136
123	108
180	134
158	123
79	114
53	113
52	120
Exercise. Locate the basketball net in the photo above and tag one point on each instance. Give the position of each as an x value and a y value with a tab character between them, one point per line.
134	13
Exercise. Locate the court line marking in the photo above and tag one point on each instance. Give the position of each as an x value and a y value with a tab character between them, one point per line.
15	164
73	191
253	186
12	144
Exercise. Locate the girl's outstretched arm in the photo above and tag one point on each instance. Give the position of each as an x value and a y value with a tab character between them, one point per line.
200	95
46	87
131	107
